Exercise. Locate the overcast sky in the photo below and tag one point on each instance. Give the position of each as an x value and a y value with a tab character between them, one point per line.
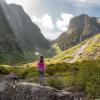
53	16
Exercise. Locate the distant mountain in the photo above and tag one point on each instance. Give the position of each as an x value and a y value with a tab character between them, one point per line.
27	33
80	28
86	50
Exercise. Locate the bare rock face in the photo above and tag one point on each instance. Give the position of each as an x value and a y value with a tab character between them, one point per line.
31	91
80	28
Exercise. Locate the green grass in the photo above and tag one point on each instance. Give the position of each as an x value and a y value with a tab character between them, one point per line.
57	49
85	75
91	51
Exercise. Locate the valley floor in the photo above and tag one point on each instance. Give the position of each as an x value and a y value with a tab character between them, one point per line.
79	77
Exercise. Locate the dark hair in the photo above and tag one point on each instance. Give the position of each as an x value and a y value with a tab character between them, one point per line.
41	59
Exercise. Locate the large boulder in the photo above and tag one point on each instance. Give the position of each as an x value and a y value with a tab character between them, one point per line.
31	91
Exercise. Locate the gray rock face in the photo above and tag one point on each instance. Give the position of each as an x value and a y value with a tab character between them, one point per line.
84	25
80	28
31	91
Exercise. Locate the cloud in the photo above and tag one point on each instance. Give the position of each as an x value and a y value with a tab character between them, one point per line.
46	21
46	25
90	3
87	3
83	3
52	35
35	19
63	22
83	0
15	1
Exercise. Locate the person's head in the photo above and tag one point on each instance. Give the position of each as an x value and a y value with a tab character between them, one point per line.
41	59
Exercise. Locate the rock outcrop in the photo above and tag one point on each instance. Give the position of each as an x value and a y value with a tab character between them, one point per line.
80	28
31	91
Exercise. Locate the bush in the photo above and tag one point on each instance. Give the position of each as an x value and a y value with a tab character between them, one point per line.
55	82
24	74
27	72
89	78
31	74
56	68
3	70
68	81
50	70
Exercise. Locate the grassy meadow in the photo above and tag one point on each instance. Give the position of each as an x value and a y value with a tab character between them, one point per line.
84	75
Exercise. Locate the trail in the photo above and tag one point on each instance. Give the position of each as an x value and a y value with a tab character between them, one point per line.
78	52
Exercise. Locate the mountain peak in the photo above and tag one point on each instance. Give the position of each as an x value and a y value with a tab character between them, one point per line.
83	15
80	28
27	33
16	6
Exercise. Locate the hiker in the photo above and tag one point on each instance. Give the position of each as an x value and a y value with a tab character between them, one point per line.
41	68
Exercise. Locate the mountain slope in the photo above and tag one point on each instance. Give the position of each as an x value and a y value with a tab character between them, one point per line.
80	28
28	35
8	44
23	35
87	50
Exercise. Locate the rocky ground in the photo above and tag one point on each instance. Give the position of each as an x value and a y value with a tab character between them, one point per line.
31	91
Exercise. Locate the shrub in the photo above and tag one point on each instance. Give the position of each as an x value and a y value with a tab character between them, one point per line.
31	74
55	82
50	70
24	74
89	78
68	81
3	70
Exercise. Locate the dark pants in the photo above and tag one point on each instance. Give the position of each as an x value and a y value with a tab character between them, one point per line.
41	74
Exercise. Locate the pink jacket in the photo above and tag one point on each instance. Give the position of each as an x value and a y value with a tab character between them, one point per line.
41	66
